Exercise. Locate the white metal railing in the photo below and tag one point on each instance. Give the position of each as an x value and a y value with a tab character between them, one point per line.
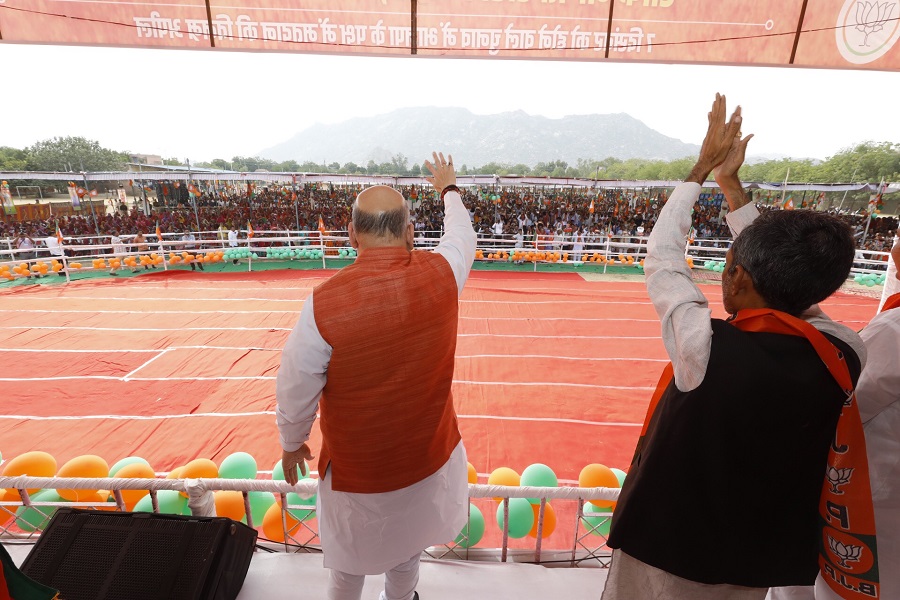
600	250
201	502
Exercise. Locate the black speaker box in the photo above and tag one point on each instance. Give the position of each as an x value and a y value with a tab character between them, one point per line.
101	555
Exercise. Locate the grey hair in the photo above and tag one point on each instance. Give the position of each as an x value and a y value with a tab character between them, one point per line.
390	223
795	258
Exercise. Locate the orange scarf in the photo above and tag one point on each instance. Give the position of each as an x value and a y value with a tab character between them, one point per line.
847	549
891	302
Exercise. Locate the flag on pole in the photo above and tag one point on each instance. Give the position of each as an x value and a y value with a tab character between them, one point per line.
158	233
788	203
249	230
321	226
591	207
59	235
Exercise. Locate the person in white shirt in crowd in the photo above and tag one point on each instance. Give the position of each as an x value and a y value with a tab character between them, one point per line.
56	251
233	242
578	245
119	251
190	246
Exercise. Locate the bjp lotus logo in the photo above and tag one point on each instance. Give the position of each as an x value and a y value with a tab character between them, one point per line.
867	30
844	552
837	478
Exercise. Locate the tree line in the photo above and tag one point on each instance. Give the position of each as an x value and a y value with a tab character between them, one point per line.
866	161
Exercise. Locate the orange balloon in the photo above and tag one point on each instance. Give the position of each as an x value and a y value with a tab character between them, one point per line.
503	476
272	526
88	465
135	471
35	464
473	474
549	521
596	475
200	468
175	473
229	504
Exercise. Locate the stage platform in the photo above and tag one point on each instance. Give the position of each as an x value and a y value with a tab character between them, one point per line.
300	576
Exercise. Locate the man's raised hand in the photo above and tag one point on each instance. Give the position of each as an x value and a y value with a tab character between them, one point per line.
718	141
442	172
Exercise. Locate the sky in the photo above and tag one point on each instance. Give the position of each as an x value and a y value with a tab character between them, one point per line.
212	104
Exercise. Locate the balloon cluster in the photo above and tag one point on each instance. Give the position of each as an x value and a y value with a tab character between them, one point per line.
597	475
524	513
714	265
187	257
870	279
239	465
236	254
288	253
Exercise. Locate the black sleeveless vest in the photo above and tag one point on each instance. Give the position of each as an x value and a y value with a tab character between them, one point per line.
725	486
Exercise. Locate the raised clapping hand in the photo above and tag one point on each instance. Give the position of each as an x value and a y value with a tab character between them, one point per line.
442	173
291	461
720	136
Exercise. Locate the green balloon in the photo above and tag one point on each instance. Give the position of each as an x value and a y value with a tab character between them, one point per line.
295	499
538	475
239	465
278	472
620	475
869	282
29	519
601	524
473	531
259	505
521	517
254	255
171	502
124	463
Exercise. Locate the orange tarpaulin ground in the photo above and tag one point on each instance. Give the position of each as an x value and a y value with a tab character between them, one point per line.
173	366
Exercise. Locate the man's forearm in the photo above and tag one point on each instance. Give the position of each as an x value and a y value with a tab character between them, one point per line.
700	173
734	193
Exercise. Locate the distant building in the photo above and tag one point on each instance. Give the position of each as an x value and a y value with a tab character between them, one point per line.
146	159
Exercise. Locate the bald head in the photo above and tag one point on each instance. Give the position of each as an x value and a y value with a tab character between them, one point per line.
380	217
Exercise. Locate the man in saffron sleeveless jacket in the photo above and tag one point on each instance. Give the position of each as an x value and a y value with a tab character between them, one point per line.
373	351
722	497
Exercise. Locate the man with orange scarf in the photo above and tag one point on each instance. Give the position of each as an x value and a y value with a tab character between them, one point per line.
373	351
726	495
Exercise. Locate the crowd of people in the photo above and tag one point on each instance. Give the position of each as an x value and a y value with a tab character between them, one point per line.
553	218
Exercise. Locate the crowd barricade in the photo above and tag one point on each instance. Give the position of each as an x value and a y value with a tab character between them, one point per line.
24	517
83	253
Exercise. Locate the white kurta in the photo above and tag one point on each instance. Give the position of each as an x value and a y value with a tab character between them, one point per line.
878	394
367	534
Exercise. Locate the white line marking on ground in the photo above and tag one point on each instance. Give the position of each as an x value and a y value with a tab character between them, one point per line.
557	357
127	376
134	417
553	384
76	328
272	412
550	420
155	312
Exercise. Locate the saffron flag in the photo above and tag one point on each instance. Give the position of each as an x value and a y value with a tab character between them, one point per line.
59	235
158	233
249	230
591	207
321	226
788	203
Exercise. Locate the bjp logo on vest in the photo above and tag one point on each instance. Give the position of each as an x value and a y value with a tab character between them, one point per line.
844	552
837	478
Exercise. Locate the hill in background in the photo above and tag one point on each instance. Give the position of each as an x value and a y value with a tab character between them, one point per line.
511	138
